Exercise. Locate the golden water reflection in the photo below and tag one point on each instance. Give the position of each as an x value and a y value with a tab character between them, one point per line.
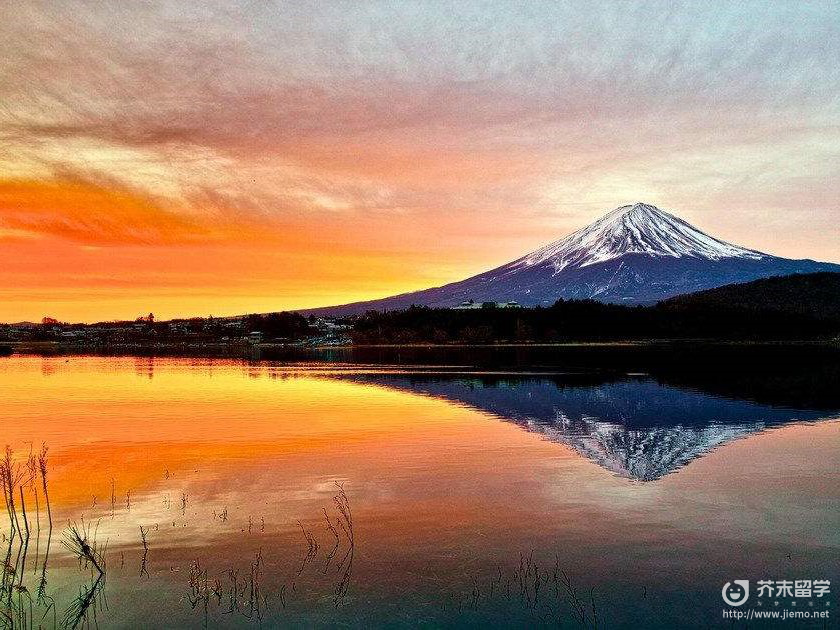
218	459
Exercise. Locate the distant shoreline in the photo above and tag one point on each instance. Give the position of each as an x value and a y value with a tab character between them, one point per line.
203	349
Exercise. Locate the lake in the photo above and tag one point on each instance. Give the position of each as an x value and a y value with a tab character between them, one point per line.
438	492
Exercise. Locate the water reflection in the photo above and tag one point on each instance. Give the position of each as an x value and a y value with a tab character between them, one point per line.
636	428
224	491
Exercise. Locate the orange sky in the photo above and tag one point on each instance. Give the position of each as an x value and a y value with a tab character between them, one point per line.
209	160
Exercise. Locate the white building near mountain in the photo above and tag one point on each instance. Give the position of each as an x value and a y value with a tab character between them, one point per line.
471	305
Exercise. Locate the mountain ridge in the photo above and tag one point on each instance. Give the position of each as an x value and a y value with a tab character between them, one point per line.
634	254
814	295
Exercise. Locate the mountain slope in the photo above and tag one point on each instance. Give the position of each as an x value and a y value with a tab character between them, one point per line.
636	254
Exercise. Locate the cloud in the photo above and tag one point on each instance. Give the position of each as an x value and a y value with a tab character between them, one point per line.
466	131
90	214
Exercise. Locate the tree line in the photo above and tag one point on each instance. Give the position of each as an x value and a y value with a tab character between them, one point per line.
587	320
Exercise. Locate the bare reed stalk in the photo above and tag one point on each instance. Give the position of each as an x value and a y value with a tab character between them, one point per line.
199	588
32	467
85	603
334	532
43	598
4	481
342	503
312	550
549	595
245	596
10	471
579	608
78	541
143	538
23	510
42	465
256	599
6	587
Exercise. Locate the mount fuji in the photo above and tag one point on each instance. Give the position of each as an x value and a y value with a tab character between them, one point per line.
635	254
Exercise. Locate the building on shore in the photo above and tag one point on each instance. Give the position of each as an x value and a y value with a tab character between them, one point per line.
470	305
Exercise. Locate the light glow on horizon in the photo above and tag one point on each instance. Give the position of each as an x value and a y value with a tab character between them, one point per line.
202	158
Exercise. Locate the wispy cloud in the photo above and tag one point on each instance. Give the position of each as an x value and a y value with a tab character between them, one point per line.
417	125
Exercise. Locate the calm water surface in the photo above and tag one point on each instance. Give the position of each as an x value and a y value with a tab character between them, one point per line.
320	496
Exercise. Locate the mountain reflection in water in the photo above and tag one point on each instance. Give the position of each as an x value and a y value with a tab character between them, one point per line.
636	428
230	493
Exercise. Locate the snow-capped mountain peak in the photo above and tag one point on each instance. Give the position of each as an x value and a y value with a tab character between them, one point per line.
634	229
635	254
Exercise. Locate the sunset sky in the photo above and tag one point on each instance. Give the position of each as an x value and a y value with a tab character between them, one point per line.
225	158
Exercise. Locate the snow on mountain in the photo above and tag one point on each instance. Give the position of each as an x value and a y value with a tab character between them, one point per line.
636	229
635	254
